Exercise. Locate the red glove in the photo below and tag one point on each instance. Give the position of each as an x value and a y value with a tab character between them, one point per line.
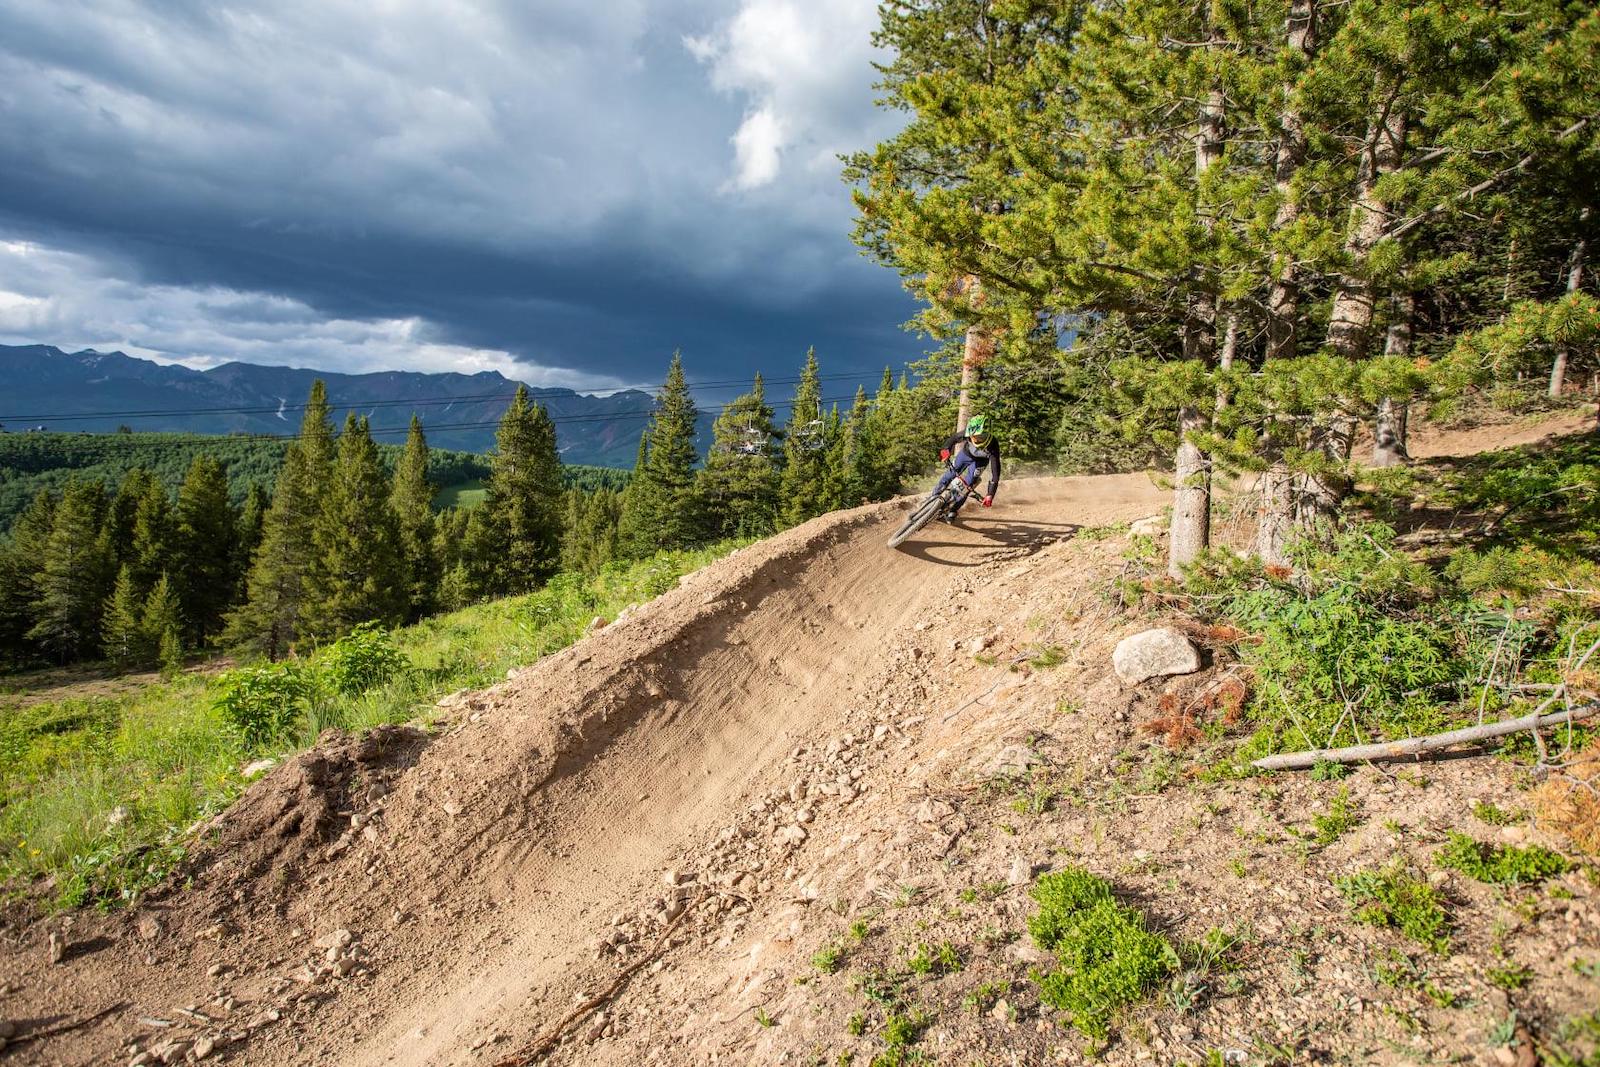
944	454
988	501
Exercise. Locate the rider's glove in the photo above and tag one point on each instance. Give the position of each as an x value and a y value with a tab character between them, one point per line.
944	454
988	501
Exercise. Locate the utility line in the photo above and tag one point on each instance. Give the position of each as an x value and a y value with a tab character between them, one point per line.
422	401
640	414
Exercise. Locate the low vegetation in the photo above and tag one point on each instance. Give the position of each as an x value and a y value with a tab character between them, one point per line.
1501	864
1108	958
1396	897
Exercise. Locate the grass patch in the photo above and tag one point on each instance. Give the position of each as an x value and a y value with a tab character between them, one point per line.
934	959
1487	812
1395	897
1341	817
99	793
1109	959
1500	864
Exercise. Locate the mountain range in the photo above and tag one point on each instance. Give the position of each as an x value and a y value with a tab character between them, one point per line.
46	388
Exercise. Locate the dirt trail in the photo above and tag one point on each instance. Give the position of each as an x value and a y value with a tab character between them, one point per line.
476	881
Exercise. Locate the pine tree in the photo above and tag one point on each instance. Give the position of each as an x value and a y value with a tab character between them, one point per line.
359	576
19	569
161	625
270	617
738	485
125	510
247	536
122	635
412	499
591	535
73	579
150	552
522	508
663	509
803	490
203	561
639	505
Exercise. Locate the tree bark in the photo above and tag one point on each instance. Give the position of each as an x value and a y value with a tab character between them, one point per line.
1558	369
1350	322
1276	519
1389	427
976	352
1191	495
1283	301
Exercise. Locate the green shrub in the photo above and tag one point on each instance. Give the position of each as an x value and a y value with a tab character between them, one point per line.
1500	864
1397	898
362	659
1108	958
264	701
1342	816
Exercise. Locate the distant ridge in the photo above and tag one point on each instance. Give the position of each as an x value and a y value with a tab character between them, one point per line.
43	381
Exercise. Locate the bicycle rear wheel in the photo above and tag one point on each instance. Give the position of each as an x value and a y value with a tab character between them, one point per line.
919	518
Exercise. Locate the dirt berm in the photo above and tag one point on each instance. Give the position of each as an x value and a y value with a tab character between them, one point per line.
414	901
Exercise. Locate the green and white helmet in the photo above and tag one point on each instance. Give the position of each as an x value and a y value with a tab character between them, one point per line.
978	430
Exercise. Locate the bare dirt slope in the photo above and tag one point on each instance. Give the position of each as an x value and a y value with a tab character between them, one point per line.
402	901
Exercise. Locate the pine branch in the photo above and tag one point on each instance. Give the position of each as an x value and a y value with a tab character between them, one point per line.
1484	186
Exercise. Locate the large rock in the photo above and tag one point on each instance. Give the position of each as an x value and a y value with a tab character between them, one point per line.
1154	654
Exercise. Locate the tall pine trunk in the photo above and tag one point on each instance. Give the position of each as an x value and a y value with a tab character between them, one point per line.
1277	483
1283	301
1350	322
975	353
1191	494
1390	423
1558	369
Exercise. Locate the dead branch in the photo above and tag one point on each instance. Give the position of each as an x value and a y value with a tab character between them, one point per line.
1416	747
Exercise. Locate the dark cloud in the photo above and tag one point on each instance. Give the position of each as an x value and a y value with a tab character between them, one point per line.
581	188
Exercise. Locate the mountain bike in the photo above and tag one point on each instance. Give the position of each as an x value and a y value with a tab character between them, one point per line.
944	502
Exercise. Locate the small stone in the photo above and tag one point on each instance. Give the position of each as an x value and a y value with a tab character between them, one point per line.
143	1059
171	1051
1021	872
204	1047
336	939
117	816
149	927
256	768
58	947
1149	526
1001	1010
451	808
216	970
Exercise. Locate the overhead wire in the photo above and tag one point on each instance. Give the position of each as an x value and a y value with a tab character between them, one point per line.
504	393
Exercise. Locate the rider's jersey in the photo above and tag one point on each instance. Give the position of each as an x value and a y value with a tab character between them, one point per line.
987	457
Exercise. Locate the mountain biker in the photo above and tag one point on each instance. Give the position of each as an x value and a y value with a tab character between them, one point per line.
968	452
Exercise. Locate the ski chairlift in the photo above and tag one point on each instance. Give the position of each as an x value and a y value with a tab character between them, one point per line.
809	436
752	443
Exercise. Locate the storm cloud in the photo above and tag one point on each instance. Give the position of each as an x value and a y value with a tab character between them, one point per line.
562	190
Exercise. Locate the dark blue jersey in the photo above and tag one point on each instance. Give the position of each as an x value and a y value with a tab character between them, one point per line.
983	457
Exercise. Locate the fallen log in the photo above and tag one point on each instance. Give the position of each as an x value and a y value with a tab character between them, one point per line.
1420	746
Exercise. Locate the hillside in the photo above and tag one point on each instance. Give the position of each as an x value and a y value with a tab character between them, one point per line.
460	410
792	811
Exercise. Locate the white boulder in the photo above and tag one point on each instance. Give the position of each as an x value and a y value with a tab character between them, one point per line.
1155	653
